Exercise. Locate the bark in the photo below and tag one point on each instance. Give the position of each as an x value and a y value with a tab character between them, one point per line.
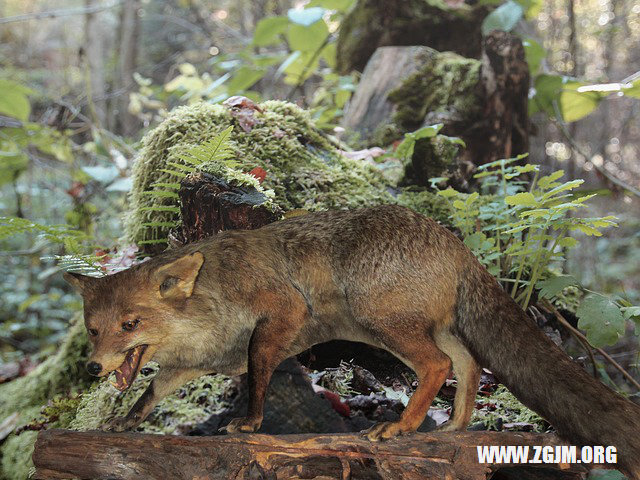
210	205
63	454
377	23
94	55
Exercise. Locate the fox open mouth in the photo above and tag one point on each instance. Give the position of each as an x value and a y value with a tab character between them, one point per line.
126	373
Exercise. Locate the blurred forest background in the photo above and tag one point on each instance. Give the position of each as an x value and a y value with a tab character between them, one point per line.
82	81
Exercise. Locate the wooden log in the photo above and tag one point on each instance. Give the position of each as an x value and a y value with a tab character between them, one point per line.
62	454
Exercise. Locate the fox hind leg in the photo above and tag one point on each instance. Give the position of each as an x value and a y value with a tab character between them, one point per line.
432	367
467	373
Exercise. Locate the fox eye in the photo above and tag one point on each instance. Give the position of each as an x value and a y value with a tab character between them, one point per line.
93	332
130	325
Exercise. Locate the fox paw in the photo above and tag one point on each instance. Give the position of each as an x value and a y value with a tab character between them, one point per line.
451	427
119	424
383	431
242	425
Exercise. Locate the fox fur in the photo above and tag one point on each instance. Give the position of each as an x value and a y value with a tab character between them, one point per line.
246	300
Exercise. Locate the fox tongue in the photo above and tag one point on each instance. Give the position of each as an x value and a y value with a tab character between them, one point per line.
126	372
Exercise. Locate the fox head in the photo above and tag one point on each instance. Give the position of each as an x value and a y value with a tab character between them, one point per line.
128	315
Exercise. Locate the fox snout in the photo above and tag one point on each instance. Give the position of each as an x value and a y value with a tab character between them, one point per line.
94	368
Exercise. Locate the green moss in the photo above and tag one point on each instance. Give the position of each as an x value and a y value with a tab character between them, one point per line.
434	23
432	157
304	168
502	407
445	83
16	456
55	378
177	413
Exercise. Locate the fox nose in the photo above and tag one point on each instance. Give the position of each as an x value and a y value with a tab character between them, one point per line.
94	368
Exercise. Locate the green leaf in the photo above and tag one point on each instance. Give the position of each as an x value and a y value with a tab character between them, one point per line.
305	17
525	199
546	91
601	319
575	105
244	78
534	54
268	30
504	18
14	101
339	5
448	193
307	39
633	90
550	287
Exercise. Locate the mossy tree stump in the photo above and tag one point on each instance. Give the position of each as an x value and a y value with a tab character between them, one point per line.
484	102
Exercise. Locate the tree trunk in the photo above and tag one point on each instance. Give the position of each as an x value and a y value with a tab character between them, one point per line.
63	454
483	102
128	54
94	55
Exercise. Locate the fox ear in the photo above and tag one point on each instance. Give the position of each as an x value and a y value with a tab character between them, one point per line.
177	279
79	282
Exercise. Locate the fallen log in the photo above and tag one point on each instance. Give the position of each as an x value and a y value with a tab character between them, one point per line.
62	454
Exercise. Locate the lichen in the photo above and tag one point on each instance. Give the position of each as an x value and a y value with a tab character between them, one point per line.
304	168
445	83
177	413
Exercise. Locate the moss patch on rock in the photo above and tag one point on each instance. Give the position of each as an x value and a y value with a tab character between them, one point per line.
446	83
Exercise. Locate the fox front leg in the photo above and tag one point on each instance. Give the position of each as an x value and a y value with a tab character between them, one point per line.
165	382
270	344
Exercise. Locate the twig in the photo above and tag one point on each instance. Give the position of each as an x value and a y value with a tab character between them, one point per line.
306	68
563	128
62	13
579	334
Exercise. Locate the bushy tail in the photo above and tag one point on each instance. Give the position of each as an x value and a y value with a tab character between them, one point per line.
502	338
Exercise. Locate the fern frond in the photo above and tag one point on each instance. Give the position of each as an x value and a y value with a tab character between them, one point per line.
172	186
175	173
161	208
161	193
161	224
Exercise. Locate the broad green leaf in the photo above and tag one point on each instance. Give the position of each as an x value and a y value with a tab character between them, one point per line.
268	30
305	17
339	5
288	61
633	90
601	319
633	311
504	18
448	193
459	204
243	78
575	105
13	100
534	54
550	287
307	39
567	242
525	199
546	91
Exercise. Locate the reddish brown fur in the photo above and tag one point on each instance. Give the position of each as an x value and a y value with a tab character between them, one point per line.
385	276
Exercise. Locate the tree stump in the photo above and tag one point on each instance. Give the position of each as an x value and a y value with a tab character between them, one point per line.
63	454
209	205
483	102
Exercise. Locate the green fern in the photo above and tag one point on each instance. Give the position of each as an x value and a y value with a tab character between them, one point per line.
217	150
74	241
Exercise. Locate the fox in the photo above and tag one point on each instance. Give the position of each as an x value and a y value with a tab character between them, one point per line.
242	301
